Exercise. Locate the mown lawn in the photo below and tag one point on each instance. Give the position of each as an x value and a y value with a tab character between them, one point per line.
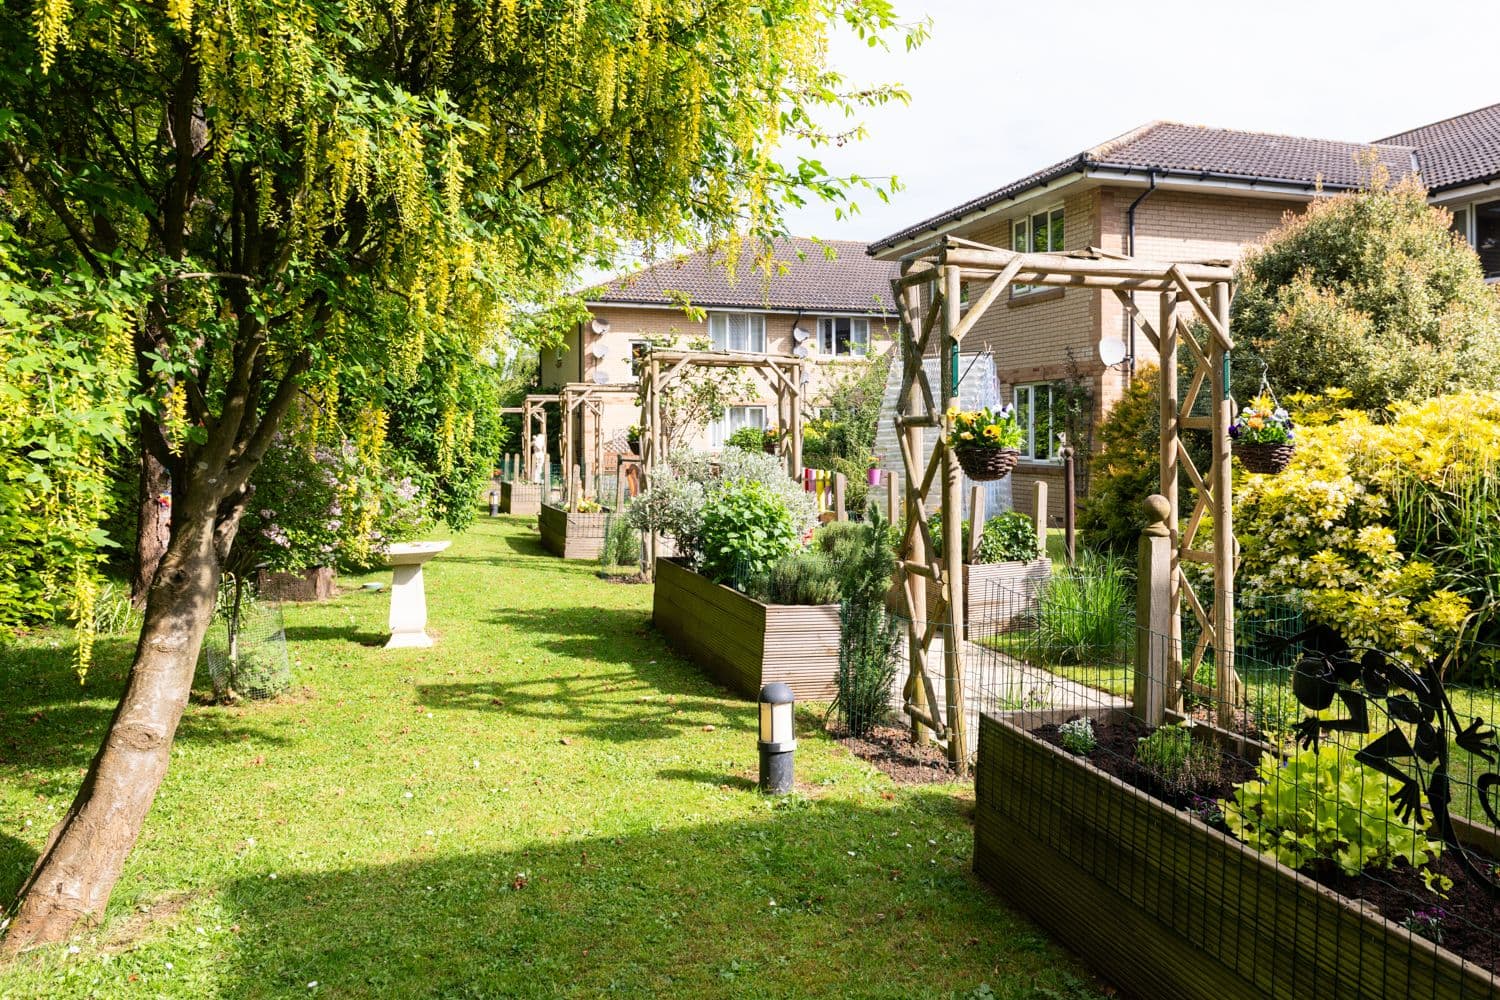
547	804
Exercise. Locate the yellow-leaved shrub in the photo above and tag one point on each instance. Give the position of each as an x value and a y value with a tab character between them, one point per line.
1384	528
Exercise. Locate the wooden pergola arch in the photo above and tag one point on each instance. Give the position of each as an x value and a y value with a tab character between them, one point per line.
585	402
534	422
660	368
933	321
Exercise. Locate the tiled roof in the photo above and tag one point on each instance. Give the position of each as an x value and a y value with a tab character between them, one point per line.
1205	153
1460	150
802	277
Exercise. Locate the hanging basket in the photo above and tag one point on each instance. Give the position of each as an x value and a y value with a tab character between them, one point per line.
985	465
1265	458
770	447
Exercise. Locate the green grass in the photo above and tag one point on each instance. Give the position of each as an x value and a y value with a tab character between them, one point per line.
546	804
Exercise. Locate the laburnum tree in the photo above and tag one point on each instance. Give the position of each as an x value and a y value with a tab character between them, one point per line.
287	191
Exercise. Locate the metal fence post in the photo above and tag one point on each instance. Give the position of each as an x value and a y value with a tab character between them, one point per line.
1153	608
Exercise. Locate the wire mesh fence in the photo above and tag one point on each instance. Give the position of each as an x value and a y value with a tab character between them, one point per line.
1360	769
244	651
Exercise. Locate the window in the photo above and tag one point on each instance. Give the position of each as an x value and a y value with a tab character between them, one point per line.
1479	223
1487	236
1038	233
843	337
1040	417
638	349
738	332
733	419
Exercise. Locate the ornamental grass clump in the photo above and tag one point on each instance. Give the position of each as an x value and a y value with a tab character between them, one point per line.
1085	614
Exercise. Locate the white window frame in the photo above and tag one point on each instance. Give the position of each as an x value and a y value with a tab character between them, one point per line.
828	337
721	336
735	417
1024	396
1023	239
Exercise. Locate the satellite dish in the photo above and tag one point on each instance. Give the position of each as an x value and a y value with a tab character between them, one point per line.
601	377
599	326
800	350
799	334
600	349
1111	351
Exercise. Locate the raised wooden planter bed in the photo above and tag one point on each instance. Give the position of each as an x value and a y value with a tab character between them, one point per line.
520	498
571	535
744	643
1168	908
996	595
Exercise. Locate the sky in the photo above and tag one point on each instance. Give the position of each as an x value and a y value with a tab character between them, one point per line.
1003	89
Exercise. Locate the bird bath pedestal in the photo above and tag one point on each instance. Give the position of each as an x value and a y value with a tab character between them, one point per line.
408	596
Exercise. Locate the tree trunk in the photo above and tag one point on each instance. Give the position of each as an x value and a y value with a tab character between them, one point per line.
86	851
153	524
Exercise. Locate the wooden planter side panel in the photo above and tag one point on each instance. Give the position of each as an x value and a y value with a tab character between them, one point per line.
742	642
520	498
996	595
1166	907
801	645
572	536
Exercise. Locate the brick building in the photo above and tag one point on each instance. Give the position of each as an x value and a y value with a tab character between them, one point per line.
1169	191
823	300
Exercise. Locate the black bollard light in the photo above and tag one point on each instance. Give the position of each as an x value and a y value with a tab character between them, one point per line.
778	738
494	504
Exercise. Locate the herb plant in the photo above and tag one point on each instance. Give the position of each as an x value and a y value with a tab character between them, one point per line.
1077	735
1174	757
1323	805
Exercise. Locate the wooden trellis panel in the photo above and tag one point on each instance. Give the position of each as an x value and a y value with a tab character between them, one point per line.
927	294
660	368
534	422
582	405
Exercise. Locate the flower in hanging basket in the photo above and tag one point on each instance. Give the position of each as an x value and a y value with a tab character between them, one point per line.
1263	436
771	439
986	442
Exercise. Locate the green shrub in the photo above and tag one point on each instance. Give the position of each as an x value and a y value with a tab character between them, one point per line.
1077	736
1008	537
748	439
1086	614
746	529
622	544
1320	805
834	536
805	577
1369	292
868	635
1127	469
1179	761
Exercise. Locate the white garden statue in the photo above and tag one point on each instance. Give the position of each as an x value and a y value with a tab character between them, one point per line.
539	459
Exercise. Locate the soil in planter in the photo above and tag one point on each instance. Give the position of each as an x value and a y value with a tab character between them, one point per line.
891	750
1472	919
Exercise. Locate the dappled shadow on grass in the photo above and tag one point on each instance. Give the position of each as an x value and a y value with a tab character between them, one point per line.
618	707
16	859
49	721
334	633
807	898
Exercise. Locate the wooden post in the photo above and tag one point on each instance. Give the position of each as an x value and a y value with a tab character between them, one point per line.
953	555
1222	483
1166	331
1039	515
916	584
575	488
976	521
619	488
840	488
1153	599
1070	506
892	496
